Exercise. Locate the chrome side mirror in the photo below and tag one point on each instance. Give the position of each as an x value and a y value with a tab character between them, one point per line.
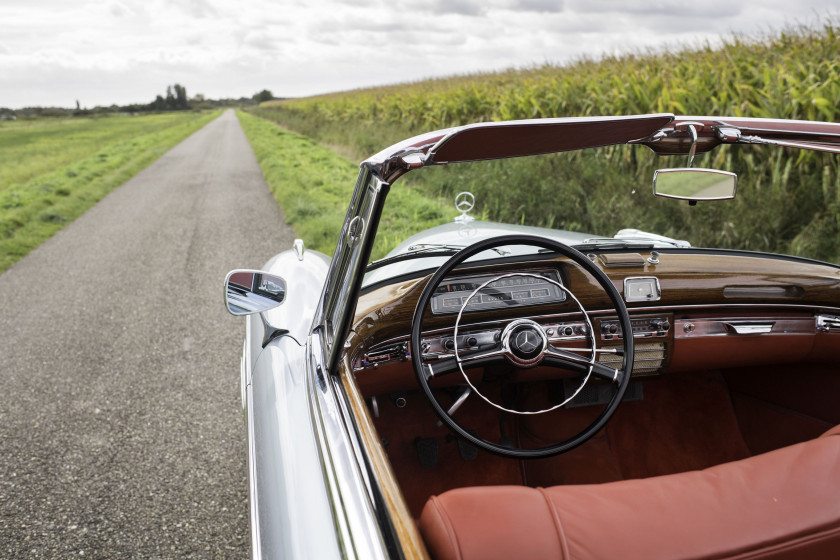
694	184
253	291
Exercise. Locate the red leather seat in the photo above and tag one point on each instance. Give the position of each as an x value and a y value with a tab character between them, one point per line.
782	504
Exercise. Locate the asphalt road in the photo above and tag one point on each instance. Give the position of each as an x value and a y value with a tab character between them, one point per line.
121	432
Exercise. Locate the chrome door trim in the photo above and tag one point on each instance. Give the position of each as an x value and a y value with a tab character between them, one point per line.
348	486
256	543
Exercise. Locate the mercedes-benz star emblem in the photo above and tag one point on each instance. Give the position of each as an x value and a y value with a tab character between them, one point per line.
527	341
464	201
524	342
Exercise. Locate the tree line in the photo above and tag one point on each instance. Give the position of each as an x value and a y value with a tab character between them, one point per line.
176	99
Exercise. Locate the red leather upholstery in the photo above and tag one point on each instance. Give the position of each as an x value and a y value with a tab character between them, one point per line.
782	504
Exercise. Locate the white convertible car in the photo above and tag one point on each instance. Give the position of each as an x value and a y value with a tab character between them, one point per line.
501	391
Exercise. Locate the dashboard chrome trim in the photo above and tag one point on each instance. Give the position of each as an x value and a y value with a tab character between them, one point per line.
827	323
682	328
743	326
486	325
648	286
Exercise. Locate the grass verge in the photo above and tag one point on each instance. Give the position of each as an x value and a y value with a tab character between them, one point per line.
86	161
313	185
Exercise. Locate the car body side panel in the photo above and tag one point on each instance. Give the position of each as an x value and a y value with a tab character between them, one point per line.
290	506
305	282
289	500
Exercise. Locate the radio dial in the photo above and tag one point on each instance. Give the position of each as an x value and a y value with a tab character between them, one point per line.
660	324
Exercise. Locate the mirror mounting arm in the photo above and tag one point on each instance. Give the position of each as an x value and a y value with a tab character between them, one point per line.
692	127
693	133
269	332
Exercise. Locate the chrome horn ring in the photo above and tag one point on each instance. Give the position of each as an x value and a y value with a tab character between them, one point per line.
560	357
512	347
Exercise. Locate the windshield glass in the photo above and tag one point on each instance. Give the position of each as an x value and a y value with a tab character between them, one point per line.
786	202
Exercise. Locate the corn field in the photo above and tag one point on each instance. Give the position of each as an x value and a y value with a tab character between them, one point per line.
789	201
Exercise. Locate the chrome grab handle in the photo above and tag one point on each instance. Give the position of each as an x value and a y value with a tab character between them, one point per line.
749	327
828	323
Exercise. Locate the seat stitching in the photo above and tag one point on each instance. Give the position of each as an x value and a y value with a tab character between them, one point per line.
447	523
558	525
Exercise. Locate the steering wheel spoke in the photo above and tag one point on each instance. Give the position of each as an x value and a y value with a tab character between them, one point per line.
563	358
467	359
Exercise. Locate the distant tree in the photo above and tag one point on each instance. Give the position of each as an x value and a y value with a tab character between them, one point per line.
264	95
181	97
159	104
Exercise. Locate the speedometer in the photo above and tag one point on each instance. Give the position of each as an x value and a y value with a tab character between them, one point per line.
511	290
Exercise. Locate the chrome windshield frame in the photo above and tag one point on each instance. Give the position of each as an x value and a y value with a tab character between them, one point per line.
344	279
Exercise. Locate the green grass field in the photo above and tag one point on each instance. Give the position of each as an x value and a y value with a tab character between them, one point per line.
313	184
52	170
788	200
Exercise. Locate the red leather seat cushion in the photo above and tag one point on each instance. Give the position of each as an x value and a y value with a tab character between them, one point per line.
782	504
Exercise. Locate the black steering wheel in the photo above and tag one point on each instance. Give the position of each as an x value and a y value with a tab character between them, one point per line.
523	343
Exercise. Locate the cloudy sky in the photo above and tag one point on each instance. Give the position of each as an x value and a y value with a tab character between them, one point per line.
54	52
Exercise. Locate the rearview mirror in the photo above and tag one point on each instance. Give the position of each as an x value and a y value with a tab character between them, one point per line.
694	184
253	291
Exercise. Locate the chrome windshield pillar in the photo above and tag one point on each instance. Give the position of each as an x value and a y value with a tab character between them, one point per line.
352	253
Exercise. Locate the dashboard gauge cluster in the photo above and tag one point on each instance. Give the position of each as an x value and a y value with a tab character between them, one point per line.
510	290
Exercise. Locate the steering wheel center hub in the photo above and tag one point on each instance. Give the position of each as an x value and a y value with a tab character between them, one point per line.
524	342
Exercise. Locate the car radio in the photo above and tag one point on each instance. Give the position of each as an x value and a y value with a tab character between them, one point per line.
643	327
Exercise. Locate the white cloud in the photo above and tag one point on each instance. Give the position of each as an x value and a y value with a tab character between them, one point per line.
539	5
461	7
123	51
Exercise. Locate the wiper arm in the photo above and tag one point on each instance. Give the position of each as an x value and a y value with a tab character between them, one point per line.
425	250
409	256
596	244
431	246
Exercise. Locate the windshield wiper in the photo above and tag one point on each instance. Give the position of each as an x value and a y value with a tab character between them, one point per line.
600	243
432	246
429	252
425	250
631	239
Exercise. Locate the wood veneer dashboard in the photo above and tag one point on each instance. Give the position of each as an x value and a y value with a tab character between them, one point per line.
715	310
